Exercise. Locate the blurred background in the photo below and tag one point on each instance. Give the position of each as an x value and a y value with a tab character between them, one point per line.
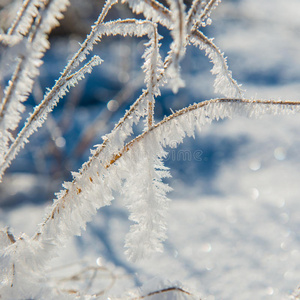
236	185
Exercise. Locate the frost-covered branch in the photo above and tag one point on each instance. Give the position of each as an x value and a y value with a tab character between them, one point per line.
195	10
37	118
87	46
153	64
152	10
26	70
224	83
208	111
145	198
177	48
51	98
22	22
199	14
104	173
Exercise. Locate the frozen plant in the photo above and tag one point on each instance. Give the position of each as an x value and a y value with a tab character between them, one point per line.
113	165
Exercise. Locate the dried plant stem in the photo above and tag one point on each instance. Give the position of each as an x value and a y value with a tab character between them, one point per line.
20	67
38	21
193	107
206	12
104	116
166	290
75	60
150	108
199	36
192	12
25	132
80	276
40	113
161	9
19	15
180	8
178	19
13	82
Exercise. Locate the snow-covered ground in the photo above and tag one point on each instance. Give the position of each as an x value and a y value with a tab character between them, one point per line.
233	228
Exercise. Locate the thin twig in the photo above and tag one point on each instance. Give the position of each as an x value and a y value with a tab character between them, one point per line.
193	24
199	36
71	65
166	290
192	13
102	120
19	15
11	86
80	276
